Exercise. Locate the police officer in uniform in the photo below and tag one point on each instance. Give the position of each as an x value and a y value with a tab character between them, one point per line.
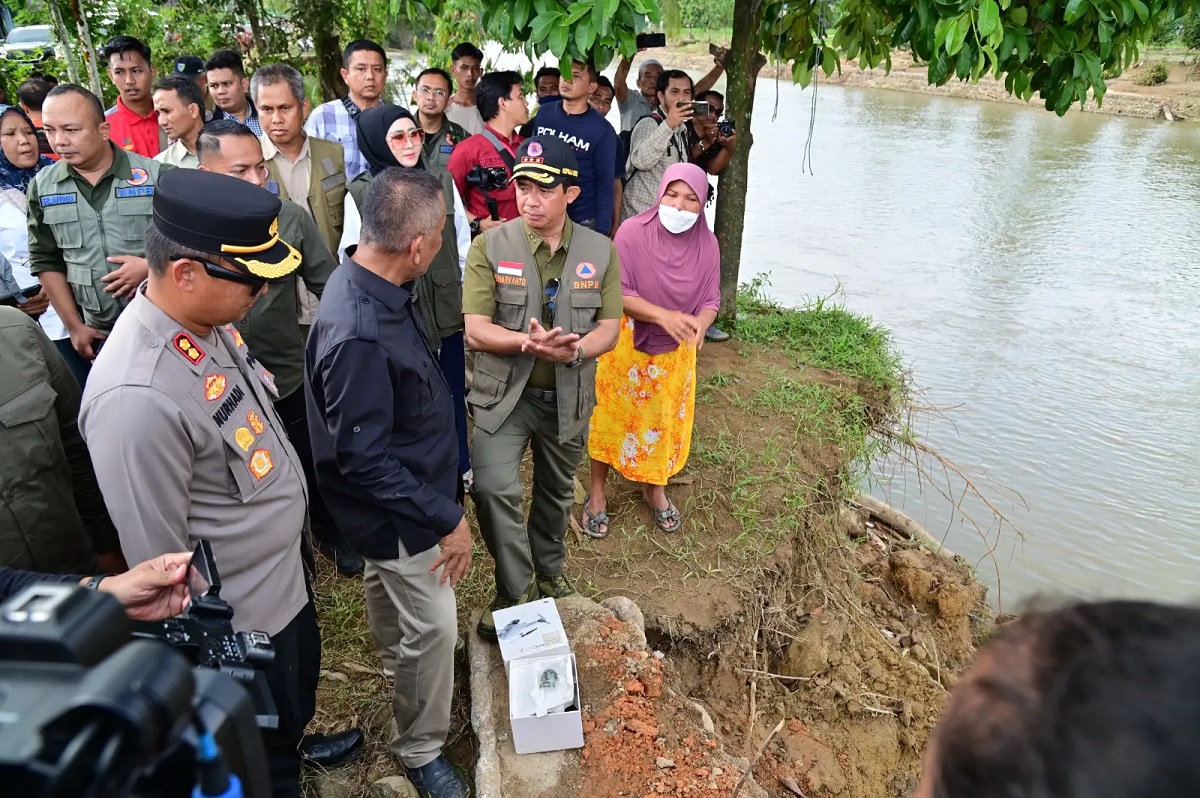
180	419
272	328
542	300
87	214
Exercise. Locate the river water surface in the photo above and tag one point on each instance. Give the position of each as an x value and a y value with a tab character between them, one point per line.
1041	275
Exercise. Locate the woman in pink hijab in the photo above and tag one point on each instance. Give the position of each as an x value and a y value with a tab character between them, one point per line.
646	386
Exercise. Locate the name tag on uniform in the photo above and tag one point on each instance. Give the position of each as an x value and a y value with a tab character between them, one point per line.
58	199
272	186
447	148
136	191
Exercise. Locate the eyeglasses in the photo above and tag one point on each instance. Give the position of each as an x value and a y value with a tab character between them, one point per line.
551	296
416	134
221	273
426	91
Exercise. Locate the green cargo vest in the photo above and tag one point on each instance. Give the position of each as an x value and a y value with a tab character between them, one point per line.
87	238
500	379
327	188
436	151
439	290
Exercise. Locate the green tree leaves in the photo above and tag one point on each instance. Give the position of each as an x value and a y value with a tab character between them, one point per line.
584	29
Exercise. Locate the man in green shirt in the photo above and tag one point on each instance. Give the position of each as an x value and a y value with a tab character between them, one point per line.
271	328
87	217
52	516
431	97
534	381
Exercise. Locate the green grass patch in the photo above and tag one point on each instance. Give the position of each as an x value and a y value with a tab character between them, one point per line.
823	334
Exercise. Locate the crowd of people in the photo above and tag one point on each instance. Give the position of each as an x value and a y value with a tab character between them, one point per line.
232	316
228	315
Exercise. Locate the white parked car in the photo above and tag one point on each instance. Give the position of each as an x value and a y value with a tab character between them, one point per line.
30	43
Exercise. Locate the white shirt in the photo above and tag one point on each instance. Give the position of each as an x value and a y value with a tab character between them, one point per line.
466	116
352	227
14	246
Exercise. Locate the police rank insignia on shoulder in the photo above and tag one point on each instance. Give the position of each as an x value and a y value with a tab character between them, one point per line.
244	438
260	463
187	347
255	422
214	387
235	334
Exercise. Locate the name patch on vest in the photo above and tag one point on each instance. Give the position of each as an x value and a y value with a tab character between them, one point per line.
447	148
585	285
229	405
59	199
504	279
139	191
273	186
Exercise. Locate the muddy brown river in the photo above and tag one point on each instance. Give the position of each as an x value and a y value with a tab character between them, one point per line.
1042	278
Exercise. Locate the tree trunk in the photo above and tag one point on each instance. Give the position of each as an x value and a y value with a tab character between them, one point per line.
741	69
328	49
89	49
64	36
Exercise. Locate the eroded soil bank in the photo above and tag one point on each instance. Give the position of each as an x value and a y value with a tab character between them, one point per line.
775	603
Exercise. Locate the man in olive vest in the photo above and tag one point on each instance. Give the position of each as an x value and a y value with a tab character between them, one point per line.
431	96
87	217
541	301
307	170
271	328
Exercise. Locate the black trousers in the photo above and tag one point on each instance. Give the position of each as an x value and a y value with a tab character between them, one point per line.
292	679
294	414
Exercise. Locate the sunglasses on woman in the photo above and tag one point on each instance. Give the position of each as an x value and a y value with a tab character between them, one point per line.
414	135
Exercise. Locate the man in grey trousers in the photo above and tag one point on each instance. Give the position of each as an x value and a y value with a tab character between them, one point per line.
385	447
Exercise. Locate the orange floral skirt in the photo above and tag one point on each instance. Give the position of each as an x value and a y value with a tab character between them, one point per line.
645	405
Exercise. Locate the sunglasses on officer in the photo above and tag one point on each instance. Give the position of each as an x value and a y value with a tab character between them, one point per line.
231	275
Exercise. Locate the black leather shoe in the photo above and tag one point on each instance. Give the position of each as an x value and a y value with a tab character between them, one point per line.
331	750
346	561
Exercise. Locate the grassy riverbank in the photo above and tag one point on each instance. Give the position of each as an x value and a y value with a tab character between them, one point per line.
1179	94
770	577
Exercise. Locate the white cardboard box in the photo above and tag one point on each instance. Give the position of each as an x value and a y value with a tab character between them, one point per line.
556	731
530	630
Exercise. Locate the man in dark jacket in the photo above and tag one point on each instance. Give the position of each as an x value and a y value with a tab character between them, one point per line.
385	448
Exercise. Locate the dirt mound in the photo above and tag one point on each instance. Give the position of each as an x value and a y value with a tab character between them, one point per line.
641	738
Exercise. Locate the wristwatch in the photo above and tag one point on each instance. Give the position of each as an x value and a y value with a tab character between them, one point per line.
474	227
578	361
94	582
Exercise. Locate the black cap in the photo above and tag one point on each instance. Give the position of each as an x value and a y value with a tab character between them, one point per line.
189	66
546	160
225	216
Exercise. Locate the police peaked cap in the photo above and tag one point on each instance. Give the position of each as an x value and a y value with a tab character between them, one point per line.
216	213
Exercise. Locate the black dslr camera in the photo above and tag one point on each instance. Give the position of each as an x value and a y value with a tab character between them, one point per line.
87	711
725	129
204	633
486	179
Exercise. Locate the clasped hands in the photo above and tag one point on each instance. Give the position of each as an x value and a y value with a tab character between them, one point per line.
553	345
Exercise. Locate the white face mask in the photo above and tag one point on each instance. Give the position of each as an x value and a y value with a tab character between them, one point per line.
675	220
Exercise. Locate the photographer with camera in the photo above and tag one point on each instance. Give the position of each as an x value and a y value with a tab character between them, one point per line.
713	140
181	420
150	591
658	141
482	165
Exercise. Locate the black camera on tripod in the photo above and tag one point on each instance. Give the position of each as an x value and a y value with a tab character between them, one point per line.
86	711
487	179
